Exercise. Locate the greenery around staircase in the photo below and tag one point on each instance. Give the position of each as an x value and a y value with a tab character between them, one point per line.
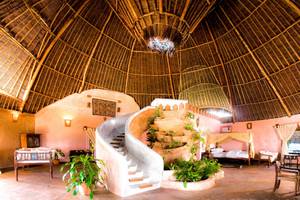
194	170
83	169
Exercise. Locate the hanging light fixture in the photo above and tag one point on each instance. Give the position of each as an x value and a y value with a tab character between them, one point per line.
161	45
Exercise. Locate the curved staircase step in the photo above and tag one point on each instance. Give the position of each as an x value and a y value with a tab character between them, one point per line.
145	185
136	182
132	168
117	139
115	143
137	174
136	179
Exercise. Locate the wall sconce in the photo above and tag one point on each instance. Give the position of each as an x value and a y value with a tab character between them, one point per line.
15	115
89	104
298	126
68	121
249	125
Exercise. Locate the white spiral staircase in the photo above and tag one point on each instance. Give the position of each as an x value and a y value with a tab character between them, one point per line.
131	167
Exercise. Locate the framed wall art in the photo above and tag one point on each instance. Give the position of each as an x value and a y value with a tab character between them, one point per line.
104	107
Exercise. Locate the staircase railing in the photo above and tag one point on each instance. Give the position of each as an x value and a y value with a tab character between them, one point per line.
116	164
150	161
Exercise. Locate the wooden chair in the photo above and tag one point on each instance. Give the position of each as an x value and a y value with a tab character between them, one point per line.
291	162
286	173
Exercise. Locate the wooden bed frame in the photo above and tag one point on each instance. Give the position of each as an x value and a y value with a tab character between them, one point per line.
22	158
245	137
248	160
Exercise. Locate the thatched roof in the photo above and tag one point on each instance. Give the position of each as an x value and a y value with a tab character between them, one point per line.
240	55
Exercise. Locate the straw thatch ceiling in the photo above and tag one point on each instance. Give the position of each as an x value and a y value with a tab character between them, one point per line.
175	20
242	55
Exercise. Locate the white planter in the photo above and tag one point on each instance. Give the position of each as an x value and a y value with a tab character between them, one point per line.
169	181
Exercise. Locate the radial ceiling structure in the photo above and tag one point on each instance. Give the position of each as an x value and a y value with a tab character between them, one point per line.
237	55
172	20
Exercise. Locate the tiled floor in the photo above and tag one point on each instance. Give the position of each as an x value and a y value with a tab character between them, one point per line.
248	183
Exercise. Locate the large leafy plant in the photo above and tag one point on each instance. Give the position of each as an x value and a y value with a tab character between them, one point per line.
83	169
194	170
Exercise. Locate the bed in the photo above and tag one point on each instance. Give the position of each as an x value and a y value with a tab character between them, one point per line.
33	156
219	153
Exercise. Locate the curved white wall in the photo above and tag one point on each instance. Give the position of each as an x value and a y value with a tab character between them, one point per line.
50	120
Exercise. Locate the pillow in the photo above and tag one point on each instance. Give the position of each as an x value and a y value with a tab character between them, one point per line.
217	150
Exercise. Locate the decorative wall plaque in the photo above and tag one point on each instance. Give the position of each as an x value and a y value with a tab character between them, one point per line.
103	107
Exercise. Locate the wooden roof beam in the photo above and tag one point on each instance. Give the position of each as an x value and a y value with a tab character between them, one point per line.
38	17
192	29
47	51
292	5
210	69
3	92
170	77
131	10
260	67
129	29
160	6
224	72
128	67
93	52
15	41
186	6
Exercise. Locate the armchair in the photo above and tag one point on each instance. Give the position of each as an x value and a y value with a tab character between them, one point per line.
289	170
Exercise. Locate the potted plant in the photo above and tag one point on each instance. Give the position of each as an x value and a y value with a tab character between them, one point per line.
194	170
57	155
83	173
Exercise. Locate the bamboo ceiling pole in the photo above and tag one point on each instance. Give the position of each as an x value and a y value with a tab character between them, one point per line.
36	15
210	69
293	6
260	67
160	6
93	52
2	92
132	33
47	51
170	77
184	10
194	26
180	72
128	67
224	72
17	42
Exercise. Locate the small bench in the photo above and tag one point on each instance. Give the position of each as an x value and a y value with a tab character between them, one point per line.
33	156
268	156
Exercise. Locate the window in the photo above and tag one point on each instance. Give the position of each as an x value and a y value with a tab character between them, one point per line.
294	143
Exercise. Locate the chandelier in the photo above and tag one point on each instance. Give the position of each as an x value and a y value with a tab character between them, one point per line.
160	45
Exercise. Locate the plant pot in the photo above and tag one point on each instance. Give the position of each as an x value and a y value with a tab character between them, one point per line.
84	190
55	162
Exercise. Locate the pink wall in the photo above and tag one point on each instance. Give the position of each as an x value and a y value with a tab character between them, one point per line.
209	124
50	120
264	135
